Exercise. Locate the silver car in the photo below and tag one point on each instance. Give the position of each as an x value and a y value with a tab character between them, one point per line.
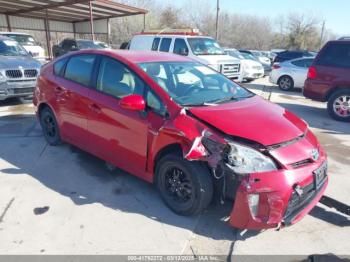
290	74
18	70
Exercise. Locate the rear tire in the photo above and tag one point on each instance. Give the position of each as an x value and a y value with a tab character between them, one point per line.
286	83
338	105
185	187
50	127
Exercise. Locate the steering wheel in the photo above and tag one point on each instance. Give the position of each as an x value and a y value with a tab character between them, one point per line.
192	88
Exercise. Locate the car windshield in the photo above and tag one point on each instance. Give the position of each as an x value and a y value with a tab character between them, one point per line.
11	48
234	54
194	84
89	45
23	39
205	46
248	56
102	45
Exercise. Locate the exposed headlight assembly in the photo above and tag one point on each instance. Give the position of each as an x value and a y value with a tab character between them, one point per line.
245	160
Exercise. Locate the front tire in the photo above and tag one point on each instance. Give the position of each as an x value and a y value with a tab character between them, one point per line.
286	83
185	187
50	127
338	105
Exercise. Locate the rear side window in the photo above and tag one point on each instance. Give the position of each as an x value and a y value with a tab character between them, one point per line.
302	63
79	69
58	67
180	46
336	54
155	44
165	45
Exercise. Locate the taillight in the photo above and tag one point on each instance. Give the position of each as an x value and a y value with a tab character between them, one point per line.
276	66
312	73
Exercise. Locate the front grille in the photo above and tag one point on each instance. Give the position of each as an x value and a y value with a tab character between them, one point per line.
17	73
228	69
14	73
23	90
298	202
30	73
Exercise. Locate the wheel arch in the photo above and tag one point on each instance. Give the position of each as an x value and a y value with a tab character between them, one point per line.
335	89
174	148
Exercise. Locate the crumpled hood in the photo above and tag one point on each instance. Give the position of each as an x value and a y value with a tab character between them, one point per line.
253	118
14	62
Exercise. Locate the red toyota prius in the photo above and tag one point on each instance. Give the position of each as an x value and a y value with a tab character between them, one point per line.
183	126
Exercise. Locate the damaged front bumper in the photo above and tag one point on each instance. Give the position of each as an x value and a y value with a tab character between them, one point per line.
278	198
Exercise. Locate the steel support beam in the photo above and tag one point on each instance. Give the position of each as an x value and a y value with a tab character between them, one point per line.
108	31
8	23
91	22
48	35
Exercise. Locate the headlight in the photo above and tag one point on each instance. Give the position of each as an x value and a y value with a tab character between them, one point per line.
244	160
2	78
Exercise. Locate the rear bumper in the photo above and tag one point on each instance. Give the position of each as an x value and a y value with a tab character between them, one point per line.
316	90
280	200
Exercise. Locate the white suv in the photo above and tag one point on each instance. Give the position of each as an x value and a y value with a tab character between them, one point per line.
203	49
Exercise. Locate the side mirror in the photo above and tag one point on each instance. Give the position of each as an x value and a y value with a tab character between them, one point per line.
184	51
133	102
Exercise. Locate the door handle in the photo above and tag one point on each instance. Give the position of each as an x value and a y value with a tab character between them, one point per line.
59	90
95	108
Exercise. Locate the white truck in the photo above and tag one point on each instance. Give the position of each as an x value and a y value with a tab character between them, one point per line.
189	42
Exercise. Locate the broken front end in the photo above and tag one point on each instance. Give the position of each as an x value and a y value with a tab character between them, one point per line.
271	186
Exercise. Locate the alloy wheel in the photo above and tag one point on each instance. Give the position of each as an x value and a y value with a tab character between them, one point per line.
50	126
341	106
285	83
178	185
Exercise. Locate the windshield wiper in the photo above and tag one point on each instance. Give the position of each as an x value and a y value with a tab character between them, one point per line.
230	98
200	104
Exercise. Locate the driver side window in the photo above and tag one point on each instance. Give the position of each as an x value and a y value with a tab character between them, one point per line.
117	80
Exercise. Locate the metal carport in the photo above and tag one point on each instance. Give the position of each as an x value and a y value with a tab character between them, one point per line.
65	16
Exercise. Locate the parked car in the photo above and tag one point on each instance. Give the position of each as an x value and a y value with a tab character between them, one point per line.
290	74
29	43
250	56
251	69
328	79
18	70
189	43
289	55
263	58
70	44
182	125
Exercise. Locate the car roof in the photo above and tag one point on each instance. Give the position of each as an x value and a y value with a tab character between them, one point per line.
176	36
134	56
13	33
6	38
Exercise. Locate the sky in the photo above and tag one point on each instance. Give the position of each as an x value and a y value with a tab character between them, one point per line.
336	13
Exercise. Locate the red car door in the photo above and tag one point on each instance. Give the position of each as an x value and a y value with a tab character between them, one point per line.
117	135
72	97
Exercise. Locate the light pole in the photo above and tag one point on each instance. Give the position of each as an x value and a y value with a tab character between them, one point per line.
217	19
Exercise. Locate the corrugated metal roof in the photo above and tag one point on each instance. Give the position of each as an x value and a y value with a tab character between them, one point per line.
67	10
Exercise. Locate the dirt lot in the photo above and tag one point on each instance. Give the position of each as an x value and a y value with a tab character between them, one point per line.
60	200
